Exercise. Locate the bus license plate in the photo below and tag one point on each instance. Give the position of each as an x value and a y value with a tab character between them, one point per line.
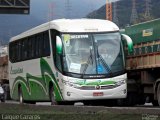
98	94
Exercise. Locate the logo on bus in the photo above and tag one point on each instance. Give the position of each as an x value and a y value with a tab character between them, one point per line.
16	71
98	87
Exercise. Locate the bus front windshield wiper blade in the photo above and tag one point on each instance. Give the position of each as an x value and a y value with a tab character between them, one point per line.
90	60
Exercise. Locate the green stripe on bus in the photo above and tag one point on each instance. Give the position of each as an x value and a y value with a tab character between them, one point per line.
41	82
98	82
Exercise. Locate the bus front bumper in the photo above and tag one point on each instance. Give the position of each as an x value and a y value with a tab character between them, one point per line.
73	94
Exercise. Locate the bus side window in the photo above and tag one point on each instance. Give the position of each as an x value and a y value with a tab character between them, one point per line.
26	49
30	48
40	47
19	51
10	52
14	52
36	47
46	45
23	50
53	38
33	48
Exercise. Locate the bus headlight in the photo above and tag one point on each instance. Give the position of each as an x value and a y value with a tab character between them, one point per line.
121	82
71	84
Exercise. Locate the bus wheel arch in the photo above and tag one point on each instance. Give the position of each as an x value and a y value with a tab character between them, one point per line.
52	94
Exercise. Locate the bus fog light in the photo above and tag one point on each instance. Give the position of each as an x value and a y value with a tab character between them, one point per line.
120	82
68	94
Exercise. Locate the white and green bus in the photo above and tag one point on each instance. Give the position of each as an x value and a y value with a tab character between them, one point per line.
68	60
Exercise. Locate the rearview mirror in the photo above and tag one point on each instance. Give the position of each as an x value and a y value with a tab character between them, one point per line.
58	45
129	42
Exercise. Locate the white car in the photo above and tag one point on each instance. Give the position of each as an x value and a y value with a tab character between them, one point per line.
2	96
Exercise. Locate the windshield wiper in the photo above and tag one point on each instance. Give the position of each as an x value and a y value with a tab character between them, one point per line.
90	59
106	66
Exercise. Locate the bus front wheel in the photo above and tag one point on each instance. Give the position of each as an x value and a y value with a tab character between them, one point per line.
20	94
52	96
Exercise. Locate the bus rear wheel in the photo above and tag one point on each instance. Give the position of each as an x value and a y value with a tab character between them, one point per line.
52	96
20	95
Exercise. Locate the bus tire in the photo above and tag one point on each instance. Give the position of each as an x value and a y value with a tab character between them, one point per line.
158	94
20	95
52	96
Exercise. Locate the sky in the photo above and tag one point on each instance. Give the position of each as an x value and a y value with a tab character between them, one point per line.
39	10
79	8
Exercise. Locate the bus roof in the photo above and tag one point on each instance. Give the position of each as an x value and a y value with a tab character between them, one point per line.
71	26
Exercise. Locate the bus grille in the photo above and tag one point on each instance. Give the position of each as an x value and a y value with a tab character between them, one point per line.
100	87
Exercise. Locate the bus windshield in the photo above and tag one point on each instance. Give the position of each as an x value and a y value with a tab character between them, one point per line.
92	54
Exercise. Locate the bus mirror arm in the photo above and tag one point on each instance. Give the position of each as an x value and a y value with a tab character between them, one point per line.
129	42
